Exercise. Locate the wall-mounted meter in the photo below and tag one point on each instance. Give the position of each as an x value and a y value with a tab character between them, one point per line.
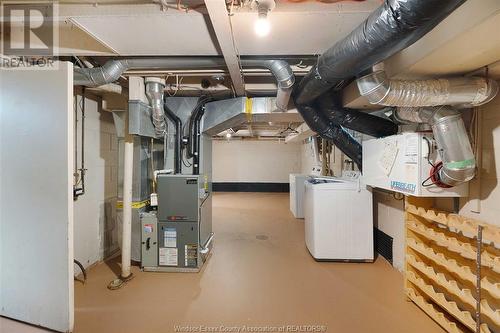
404	163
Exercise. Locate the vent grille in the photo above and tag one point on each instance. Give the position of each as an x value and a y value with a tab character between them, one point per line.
383	244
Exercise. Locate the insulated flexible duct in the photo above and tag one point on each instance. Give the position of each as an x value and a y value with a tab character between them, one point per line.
392	27
362	122
459	164
154	92
327	130
113	69
458	91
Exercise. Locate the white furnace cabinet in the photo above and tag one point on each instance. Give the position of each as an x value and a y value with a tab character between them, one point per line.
400	163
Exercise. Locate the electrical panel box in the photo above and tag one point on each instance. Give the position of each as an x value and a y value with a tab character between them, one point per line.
402	163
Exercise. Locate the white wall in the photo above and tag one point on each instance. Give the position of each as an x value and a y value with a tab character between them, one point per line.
36	202
485	191
388	216
95	215
254	161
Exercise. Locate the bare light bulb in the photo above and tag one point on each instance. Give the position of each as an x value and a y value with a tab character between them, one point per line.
262	26
228	135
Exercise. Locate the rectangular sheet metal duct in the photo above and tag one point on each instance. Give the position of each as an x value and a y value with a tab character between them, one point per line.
229	113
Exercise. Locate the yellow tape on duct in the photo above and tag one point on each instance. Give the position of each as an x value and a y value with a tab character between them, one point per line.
135	204
248	109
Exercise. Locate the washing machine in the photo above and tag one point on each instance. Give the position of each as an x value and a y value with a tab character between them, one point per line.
297	188
338	219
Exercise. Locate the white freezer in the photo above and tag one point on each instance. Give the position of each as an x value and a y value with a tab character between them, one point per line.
339	220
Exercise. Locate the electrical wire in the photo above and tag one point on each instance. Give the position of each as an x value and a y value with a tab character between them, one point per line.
84	272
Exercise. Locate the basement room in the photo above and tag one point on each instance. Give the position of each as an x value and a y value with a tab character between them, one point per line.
249	166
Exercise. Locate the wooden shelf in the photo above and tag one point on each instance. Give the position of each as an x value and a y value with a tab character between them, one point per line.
432	312
441	267
466	226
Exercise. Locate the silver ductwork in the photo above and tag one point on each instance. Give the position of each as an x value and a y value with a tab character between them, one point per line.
458	161
283	73
113	69
154	92
228	113
461	92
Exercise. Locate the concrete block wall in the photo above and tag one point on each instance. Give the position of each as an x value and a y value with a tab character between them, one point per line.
95	226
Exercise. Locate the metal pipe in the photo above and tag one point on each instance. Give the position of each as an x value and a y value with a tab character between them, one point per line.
458	91
459	163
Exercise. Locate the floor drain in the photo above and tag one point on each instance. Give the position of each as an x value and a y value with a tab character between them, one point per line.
262	237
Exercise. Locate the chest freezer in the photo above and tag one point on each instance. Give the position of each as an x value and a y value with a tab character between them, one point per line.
338	219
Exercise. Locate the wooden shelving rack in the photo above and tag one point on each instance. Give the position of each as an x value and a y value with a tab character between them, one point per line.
452	269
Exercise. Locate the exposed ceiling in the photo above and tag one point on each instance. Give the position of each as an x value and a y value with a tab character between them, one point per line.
305	28
464	43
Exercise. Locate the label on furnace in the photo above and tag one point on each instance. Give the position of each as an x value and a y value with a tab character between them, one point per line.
167	256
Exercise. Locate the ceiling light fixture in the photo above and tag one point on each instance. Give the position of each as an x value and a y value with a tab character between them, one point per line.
262	25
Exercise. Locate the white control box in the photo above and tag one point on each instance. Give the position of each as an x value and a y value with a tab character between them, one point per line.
402	163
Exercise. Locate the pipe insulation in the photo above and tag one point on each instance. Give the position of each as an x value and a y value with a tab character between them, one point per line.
455	150
462	92
113	69
392	27
154	92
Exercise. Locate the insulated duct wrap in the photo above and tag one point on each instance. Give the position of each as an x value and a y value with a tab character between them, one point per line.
392	27
459	91
459	164
359	121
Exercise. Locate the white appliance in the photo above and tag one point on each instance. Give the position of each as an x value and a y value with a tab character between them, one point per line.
401	163
297	189
338	219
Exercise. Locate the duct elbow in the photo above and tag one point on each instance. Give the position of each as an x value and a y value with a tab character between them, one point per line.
453	176
98	76
284	76
459	163
154	92
454	147
458	91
